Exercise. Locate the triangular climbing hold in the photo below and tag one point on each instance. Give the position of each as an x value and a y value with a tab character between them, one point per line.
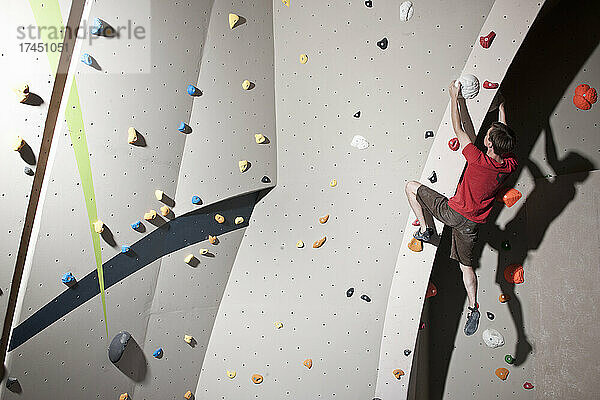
233	19
415	245
431	290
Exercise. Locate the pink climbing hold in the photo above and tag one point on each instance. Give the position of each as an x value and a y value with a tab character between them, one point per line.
416	222
454	144
422	325
490	85
527	385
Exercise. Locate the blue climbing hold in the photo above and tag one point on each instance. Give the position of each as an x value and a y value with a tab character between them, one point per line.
158	353
125	249
97	27
68	278
136	225
192	90
182	127
196	200
86	59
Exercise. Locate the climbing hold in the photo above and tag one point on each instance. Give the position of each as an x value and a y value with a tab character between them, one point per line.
233	19
164	211
259	138
398	373
319	242
527	385
203	252
416	222
193	90
246	84
422	325
278	325
509	359
584	97
406	11
98	226
150	215
303	58
333	183
13	385
117	346
502	373
22	92
68	278
506	245
469	85
383	44
299	244
159	194
125	248
219	218
28	171
189	259
243	165
407	352
19	143
212	239
196	200
365	298
99	28
433	177
257	379
230	374
350	292
183	127
490	85
124	396
324	219
359	142
428	134
131	135
158	353
357	114
415	245
492	338
265	179
510	197
87	59
431	290
188	395
308	363
503	298
369	3
239	220
486	41
514	273
136	225
188	339
490	315
454	144
286	2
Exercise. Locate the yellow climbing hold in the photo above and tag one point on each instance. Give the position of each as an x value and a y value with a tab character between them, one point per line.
164	210
243	165
150	215
19	143
260	138
188	339
239	220
246	84
278	325
203	252
188	259
230	374
333	183
286	2
22	92
131	135
233	19
187	395
158	194
303	58
124	396
300	244
415	245
99	226
219	218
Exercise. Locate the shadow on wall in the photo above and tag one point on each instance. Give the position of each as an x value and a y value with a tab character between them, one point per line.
556	47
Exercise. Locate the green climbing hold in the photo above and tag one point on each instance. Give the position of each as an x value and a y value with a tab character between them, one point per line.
506	245
509	359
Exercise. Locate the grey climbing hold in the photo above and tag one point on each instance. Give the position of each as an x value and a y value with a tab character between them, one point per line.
433	177
492	338
383	44
350	292
407	352
117	346
28	171
428	134
490	315
366	298
357	114
13	385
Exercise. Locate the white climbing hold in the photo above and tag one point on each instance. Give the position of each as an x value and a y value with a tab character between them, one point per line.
131	135
243	165
203	252
239	220
493	338
300	244
359	142
19	143
246	84
469	85
158	194
99	226
188	259
260	138
406	11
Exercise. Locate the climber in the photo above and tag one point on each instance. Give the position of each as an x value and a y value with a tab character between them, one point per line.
474	198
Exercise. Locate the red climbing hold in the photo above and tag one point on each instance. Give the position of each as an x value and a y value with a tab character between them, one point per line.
431	290
584	97
527	385
422	325
514	273
509	197
416	222
490	85
454	144
486	41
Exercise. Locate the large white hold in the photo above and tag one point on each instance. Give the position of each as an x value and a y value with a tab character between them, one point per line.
406	11
469	85
359	142
493	338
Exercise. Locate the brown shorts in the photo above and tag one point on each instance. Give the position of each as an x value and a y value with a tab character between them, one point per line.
464	231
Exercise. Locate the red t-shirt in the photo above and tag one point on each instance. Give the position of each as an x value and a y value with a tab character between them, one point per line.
477	190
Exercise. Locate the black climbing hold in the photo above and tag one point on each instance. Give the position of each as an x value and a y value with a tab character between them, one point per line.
265	179
350	292
433	177
369	3
357	114
366	298
490	315
13	385
407	352
28	171
506	245
117	346
428	134
383	43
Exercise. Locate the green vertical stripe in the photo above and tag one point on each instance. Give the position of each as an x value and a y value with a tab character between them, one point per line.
47	15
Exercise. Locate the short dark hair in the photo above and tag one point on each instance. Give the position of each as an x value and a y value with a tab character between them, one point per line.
503	138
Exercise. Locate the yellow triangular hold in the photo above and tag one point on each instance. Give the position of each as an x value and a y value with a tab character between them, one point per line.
260	138
19	143
415	245
131	135
233	19
286	2
243	165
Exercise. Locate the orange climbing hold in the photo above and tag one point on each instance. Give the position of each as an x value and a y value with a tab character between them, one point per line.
308	363
256	378
502	373
431	290
584	97
503	298
319	242
509	197
212	239
324	219
514	273
415	245
124	396
398	373
187	395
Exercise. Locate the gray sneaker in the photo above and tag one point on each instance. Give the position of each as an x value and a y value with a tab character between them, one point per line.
472	321
424	236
